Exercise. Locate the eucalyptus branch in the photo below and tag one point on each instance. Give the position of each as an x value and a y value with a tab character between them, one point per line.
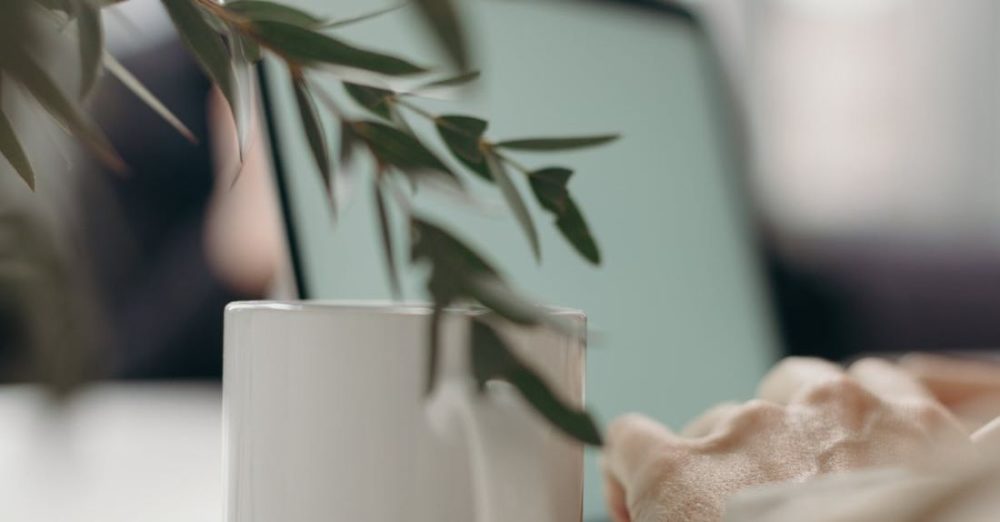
513	163
227	39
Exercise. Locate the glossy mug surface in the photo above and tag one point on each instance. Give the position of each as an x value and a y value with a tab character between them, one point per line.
326	420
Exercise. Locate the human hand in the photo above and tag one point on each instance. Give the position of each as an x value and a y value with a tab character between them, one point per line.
811	418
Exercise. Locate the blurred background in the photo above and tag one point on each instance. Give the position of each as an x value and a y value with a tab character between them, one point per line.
795	177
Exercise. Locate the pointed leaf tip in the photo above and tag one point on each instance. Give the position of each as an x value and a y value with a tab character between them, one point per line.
385	229
443	18
547	144
10	148
310	47
376	101
210	52
313	128
492	358
515	201
91	34
262	10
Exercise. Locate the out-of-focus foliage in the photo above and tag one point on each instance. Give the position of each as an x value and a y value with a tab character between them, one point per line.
46	332
228	39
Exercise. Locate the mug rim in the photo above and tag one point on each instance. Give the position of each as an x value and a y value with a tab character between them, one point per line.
386	307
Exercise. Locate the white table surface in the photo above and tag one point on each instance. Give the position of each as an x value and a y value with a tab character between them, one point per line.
115	452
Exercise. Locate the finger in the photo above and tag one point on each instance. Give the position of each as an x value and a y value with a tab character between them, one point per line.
707	422
614	494
953	380
887	380
792	375
633	441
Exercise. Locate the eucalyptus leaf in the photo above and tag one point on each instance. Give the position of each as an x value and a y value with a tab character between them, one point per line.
209	50
494	294
10	148
245	53
443	250
549	187
574	228
377	101
133	84
402	150
91	34
457	272
310	47
453	81
385	228
492	358
547	144
262	10
462	135
348	142
249	48
313	128
443	19
333	24
433	347
513	197
44	89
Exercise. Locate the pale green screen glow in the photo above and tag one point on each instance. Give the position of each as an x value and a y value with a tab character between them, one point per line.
679	320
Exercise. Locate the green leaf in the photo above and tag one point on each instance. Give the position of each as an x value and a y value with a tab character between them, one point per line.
363	17
492	358
549	186
494	294
453	81
385	227
248	48
514	200
433	347
574	229
462	135
543	144
11	149
261	10
313	128
441	249
44	89
451	263
133	84
348	142
244	54
403	151
91	46
442	17
377	101
209	50
458	272
306	46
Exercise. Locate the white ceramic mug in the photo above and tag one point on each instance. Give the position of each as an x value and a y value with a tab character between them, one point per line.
326	420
